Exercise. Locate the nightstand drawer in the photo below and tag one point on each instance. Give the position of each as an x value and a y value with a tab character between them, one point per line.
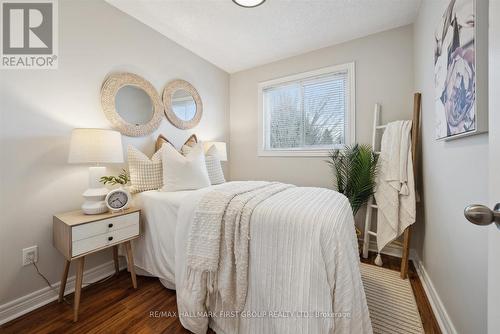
100	227
103	240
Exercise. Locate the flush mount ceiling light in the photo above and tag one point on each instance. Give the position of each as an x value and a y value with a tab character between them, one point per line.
249	3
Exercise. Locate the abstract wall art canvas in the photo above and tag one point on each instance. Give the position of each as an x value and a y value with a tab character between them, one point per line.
455	72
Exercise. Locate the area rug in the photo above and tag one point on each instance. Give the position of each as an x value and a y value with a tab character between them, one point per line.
391	302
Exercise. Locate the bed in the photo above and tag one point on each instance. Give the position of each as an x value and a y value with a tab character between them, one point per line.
303	265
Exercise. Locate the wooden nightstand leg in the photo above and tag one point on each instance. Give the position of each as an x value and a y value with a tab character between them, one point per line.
63	280
115	259
78	286
130	263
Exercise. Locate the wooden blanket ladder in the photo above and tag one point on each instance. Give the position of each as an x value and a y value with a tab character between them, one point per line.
371	206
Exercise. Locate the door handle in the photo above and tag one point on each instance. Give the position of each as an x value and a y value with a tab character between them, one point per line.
482	215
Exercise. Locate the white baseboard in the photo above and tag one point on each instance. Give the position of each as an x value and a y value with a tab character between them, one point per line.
437	305
36	299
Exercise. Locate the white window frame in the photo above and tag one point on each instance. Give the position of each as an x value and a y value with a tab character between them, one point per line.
350	121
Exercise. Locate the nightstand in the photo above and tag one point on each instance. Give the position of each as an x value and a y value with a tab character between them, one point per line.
77	235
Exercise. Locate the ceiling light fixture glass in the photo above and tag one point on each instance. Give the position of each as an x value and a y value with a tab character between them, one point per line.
249	3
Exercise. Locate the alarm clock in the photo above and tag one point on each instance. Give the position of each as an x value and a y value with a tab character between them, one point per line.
118	199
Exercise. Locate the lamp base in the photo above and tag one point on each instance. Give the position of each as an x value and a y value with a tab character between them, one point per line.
96	194
93	207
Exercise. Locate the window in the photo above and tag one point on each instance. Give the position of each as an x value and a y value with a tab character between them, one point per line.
307	114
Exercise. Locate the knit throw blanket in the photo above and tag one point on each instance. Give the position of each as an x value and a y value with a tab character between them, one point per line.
218	244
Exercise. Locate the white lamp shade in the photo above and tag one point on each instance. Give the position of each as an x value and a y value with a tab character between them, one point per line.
220	146
92	146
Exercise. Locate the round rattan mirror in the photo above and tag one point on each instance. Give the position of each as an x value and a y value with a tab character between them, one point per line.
131	104
183	106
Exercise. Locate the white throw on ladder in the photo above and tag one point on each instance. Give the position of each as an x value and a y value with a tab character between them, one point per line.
397	204
379	129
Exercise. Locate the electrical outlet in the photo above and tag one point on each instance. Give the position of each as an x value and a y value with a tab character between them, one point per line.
30	255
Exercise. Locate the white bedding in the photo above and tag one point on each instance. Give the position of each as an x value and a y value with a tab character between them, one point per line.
303	258
154	253
303	269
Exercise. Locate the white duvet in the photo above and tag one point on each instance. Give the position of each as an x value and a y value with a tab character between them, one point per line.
154	252
303	272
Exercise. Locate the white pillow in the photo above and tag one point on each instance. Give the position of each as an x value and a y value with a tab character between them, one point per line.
145	173
184	172
214	167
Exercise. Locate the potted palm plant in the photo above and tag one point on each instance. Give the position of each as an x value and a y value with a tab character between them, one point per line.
355	169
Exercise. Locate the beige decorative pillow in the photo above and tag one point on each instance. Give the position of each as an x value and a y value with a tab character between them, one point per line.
214	170
145	173
160	141
189	144
214	167
191	141
185	150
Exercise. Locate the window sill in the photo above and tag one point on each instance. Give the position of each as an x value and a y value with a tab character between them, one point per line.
294	153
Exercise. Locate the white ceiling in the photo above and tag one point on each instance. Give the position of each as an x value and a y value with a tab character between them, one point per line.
235	38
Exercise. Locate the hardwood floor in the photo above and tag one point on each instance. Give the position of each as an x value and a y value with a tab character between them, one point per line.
114	306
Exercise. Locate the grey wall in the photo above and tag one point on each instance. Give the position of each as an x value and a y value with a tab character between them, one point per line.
40	108
453	251
384	74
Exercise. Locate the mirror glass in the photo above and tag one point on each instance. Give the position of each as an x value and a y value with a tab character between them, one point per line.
183	105
134	105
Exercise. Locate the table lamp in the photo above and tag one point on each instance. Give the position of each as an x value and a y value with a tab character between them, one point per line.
95	146
220	146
